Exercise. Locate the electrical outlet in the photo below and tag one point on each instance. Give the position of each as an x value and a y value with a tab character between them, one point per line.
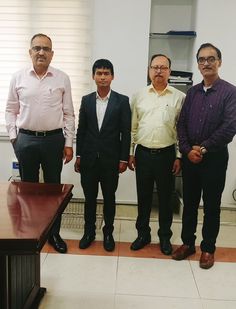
15	170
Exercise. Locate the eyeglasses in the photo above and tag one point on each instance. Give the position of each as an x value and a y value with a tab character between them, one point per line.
39	48
209	60
161	68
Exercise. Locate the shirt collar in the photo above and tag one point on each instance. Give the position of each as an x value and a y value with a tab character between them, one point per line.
213	87
167	89
49	71
103	99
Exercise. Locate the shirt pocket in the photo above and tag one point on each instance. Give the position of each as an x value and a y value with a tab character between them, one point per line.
53	96
168	115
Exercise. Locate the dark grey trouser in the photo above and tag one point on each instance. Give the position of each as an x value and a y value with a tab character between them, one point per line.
45	151
108	177
150	169
206	179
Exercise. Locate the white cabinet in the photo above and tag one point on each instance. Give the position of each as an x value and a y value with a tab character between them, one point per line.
172	31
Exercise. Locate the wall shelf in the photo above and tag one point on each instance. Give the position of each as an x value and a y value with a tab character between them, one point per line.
173	34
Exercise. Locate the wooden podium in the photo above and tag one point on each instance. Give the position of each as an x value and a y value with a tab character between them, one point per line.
27	213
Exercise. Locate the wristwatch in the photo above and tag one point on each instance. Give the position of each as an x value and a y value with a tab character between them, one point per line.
203	150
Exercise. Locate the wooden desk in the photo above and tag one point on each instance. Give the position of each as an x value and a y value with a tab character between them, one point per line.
27	212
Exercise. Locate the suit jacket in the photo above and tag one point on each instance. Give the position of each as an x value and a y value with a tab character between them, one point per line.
112	142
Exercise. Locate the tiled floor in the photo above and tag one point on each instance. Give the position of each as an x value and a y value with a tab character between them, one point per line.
123	279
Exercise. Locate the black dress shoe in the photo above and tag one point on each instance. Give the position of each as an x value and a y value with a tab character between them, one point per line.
108	243
140	242
86	241
57	243
166	247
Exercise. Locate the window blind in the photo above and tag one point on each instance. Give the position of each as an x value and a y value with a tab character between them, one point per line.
67	22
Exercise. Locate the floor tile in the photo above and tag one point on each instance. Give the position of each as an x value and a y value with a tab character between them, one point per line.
149	251
80	300
226	237
71	233
225	254
128	231
218	282
213	304
77	234
126	279
76	273
42	258
124	230
155	277
148	302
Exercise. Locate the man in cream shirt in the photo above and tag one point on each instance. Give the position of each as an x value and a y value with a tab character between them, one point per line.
153	154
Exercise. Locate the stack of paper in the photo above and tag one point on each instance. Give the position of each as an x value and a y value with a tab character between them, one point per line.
181	77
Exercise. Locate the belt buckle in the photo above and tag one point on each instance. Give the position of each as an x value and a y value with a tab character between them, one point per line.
43	133
153	151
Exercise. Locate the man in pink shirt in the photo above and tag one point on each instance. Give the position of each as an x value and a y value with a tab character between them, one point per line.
40	121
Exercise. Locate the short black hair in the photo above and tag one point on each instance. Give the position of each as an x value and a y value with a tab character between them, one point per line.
39	35
161	55
103	64
207	45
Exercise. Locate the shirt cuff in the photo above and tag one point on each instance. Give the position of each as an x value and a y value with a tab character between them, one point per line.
69	142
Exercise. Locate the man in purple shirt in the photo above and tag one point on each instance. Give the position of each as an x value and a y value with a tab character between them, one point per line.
206	125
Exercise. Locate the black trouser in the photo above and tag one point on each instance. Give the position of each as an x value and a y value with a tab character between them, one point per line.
154	167
107	176
47	151
207	179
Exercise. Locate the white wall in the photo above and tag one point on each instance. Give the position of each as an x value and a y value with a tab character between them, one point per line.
216	23
121	34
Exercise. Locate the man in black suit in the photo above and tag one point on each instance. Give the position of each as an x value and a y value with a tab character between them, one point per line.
102	150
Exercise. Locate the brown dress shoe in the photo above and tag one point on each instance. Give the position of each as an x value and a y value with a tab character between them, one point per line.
206	260
183	252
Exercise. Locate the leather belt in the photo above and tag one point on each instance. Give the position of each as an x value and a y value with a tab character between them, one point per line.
40	133
155	151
